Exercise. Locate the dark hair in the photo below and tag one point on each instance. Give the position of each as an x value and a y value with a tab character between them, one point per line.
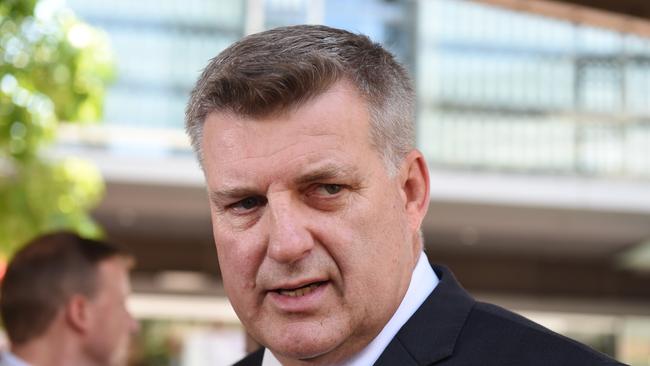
282	68
42	277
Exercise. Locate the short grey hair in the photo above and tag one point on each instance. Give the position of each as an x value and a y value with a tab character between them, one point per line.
282	68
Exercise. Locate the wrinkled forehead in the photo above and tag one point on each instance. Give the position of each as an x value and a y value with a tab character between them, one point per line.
339	109
334	124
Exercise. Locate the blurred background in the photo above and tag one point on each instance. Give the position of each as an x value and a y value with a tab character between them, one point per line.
534	116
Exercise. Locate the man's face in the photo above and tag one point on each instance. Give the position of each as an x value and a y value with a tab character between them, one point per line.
111	324
315	245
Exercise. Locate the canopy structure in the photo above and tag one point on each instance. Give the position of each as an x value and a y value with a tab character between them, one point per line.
628	16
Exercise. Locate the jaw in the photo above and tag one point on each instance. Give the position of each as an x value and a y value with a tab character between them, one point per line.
332	356
303	340
324	340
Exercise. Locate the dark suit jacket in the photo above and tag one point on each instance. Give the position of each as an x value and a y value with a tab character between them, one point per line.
452	329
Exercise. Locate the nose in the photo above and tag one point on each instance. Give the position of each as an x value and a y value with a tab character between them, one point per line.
289	238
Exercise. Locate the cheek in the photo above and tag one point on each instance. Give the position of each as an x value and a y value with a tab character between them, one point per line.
373	223
350	240
120	327
114	324
239	266
239	255
374	233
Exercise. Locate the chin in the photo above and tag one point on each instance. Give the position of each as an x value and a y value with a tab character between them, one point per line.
302	355
302	349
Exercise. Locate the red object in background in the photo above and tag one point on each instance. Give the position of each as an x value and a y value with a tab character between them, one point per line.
3	268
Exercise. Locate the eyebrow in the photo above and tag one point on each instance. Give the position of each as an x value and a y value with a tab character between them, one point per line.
218	197
326	172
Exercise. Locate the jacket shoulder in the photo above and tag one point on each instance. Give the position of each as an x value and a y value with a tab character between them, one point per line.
511	339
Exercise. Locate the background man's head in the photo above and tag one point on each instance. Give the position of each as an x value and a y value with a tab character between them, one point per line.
282	68
62	283
305	135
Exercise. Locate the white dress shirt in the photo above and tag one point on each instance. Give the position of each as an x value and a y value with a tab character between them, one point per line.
423	281
9	359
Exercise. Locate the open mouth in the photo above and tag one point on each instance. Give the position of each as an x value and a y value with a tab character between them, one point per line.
300	291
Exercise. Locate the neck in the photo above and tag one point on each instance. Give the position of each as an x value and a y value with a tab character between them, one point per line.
52	350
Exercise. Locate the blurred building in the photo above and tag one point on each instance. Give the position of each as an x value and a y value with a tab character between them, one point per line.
535	120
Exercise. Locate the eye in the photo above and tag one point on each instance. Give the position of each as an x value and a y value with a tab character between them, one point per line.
329	189
327	196
248	204
332	188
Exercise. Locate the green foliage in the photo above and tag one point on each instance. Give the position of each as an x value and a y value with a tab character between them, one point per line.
158	343
53	69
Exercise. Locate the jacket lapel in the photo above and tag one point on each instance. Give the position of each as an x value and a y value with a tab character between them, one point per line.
431	333
253	359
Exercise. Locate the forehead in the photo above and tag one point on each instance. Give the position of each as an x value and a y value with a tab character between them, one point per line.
113	273
332	128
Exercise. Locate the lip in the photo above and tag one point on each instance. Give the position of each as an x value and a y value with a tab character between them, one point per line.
298	304
296	284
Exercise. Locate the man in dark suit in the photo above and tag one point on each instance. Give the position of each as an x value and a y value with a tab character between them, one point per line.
317	193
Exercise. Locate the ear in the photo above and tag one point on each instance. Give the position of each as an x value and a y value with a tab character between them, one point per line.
77	313
414	180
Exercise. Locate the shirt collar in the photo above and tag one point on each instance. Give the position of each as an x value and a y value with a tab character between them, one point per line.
9	359
423	281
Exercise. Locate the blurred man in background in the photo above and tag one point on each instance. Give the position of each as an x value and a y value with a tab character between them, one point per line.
63	302
317	193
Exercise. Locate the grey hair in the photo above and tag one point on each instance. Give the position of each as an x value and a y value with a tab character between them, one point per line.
282	68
